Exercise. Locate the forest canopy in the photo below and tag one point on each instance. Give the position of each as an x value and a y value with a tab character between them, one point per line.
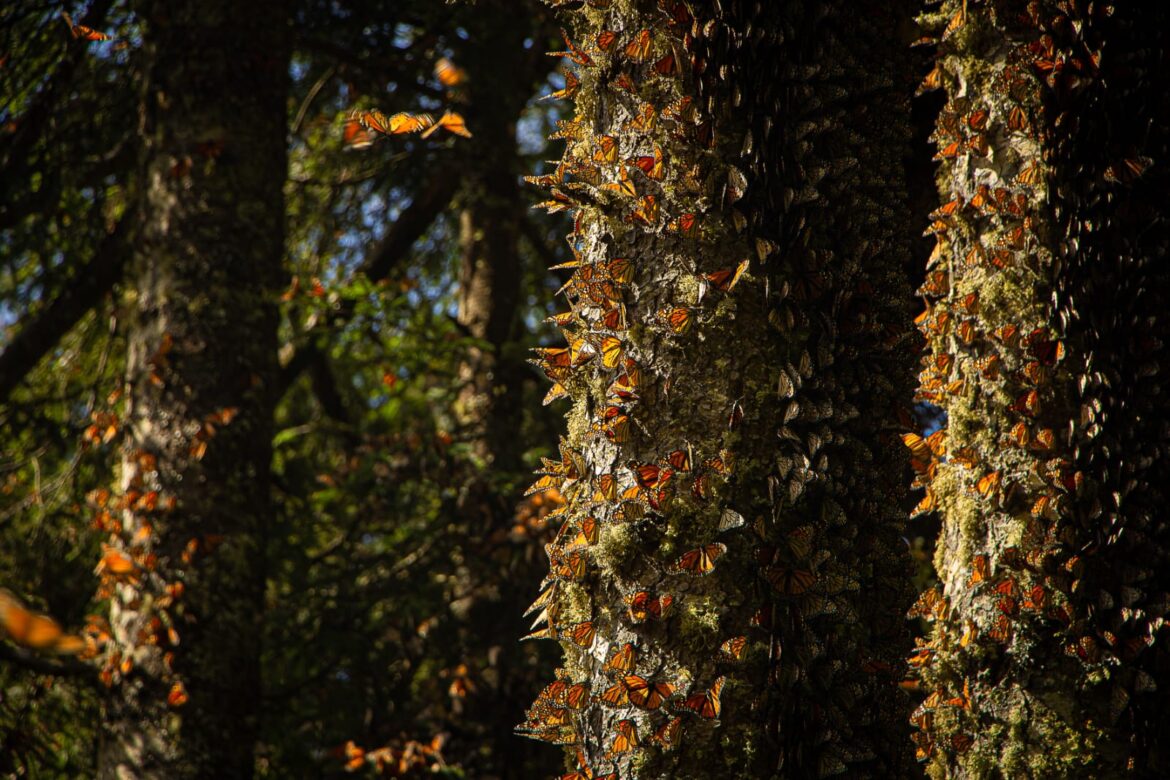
584	388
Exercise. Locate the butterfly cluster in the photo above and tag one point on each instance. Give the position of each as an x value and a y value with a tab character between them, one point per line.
673	262
628	313
998	353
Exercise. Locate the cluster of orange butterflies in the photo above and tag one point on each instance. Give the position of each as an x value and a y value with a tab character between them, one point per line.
969	337
624	173
364	127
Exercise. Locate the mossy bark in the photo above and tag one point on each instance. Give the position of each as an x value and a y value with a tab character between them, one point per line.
1046	351
728	466
201	370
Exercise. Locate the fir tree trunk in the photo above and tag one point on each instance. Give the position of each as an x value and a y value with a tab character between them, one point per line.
1046	303
729	582
186	565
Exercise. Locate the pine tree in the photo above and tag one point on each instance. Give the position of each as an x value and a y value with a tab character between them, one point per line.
184	565
729	583
1046	297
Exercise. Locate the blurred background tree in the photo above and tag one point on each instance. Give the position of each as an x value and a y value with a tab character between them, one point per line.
415	283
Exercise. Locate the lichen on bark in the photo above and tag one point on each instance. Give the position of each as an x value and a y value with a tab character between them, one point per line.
1042	656
729	581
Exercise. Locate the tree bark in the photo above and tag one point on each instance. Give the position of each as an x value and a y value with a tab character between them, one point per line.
201	372
1044	318
730	581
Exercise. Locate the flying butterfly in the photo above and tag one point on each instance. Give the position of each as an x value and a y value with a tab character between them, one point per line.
83	33
33	629
700	561
449	74
451	122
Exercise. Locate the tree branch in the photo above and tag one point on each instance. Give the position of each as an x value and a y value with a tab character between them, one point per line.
38	337
62	667
380	262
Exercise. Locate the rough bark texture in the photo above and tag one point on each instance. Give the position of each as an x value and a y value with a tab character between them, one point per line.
729	581
1046	303
185	566
490	282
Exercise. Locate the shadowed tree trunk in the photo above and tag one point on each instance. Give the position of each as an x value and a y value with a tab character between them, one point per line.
185	566
729	583
502	77
1046	303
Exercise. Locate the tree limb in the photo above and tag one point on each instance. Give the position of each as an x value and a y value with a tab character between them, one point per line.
62	667
38	337
379	263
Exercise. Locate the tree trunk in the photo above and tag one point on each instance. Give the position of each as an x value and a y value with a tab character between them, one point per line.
495	568
1045	316
729	582
185	567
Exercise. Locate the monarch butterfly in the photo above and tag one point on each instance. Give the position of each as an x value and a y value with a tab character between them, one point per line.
607	149
451	122
977	120
681	110
666	65
1017	120
81	32
624	185
1031	175
680	460
642	605
651	165
645	119
615	318
615	695
567	92
402	122
700	561
790	581
624	81
583	633
932	81
33	629
980	570
618	429
623	659
606	39
627	738
645	694
647	211
638	50
574	53
449	74
177	696
733	648
356	136
577	696
668	733
726	279
706	704
589	532
687	225
606	488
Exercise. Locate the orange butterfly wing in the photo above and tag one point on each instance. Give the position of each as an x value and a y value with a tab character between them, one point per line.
700	561
706	704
